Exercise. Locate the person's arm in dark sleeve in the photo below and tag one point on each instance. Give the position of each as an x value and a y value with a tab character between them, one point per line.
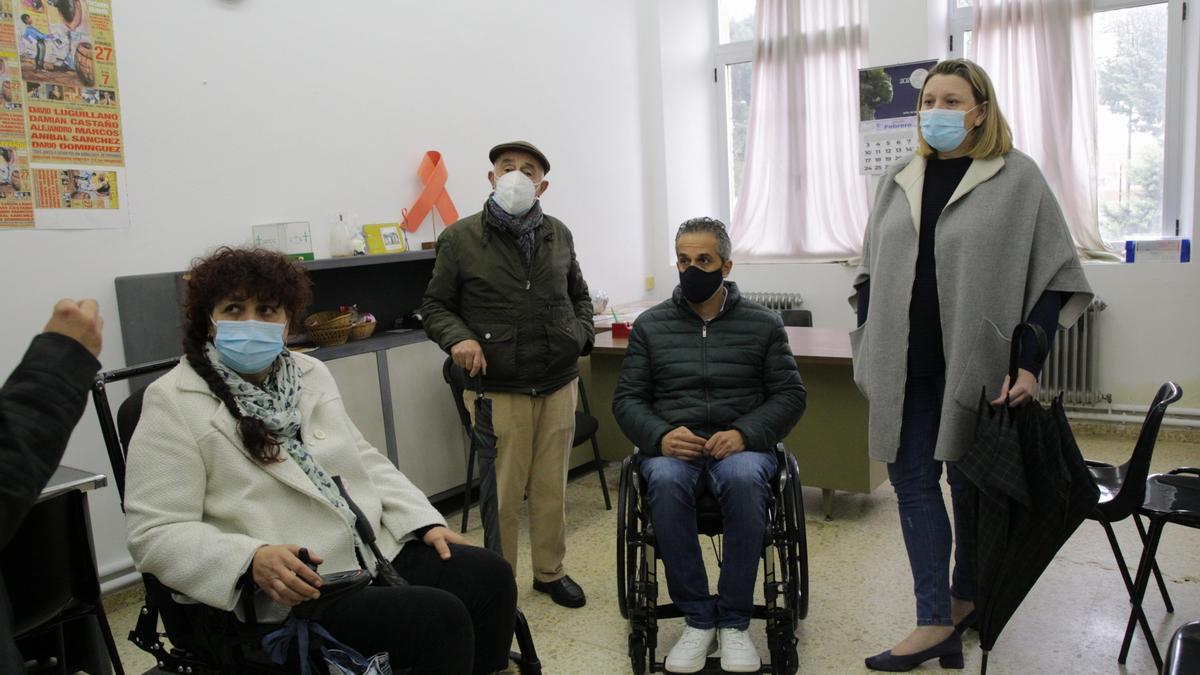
1044	314
440	306
633	399
581	301
40	405
785	401
864	299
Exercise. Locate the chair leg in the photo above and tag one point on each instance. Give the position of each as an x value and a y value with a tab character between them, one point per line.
1116	549
109	643
467	488
600	472
1162	587
1139	591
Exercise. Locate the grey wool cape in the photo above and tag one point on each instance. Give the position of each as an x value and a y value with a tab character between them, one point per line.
1000	243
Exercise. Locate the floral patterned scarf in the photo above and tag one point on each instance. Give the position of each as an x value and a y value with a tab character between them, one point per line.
275	404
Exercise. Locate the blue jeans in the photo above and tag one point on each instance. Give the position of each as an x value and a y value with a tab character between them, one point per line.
916	476
741	484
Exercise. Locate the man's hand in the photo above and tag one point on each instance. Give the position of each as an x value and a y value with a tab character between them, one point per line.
440	539
283	576
681	443
80	321
724	443
469	355
1022	392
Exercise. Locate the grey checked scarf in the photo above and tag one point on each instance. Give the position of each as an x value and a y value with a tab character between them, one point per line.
275	403
520	227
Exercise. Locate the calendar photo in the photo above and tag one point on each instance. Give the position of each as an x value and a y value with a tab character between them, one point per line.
888	113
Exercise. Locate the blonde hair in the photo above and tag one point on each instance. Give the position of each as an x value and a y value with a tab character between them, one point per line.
991	139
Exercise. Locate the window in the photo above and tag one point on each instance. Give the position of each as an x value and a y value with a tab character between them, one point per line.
733	74
1140	94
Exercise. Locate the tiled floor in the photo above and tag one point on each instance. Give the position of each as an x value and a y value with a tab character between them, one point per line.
1072	621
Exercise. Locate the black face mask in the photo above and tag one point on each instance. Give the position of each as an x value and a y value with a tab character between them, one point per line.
698	285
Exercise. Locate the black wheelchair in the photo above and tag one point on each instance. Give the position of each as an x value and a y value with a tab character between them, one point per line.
784	555
196	639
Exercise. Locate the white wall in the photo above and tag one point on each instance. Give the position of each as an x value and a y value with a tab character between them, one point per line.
304	108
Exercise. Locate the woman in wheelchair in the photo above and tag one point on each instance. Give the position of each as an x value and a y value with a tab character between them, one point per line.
232	469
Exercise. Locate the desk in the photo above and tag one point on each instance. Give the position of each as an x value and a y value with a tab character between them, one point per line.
830	442
49	570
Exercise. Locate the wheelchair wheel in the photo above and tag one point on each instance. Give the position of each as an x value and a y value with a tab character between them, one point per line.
637	653
797	554
628	538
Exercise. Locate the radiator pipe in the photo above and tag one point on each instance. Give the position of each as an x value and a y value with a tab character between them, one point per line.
1141	409
1130	419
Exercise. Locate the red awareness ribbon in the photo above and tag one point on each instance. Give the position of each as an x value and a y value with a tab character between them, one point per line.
433	175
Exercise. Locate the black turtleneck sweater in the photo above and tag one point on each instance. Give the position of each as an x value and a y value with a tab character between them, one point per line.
925	353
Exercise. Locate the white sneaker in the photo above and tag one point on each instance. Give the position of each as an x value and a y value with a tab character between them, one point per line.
691	652
738	654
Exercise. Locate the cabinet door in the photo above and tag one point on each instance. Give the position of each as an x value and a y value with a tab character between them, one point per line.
358	381
430	441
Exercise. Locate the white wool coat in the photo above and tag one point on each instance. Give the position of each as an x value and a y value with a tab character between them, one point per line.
198	505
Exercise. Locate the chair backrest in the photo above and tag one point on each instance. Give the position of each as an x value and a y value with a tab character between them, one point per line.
797	317
1134	472
117	434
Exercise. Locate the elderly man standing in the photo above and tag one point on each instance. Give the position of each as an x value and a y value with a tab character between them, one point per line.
508	302
708	387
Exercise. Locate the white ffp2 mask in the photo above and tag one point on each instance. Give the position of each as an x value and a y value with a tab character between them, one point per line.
515	192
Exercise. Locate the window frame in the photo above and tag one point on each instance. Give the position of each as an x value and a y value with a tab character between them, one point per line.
725	55
1179	89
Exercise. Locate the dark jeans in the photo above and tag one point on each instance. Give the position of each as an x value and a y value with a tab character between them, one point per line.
741	483
916	476
455	618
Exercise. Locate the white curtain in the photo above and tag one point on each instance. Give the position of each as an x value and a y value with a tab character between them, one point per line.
1039	56
801	196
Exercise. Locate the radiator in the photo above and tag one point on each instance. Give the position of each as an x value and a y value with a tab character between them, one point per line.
776	301
1074	361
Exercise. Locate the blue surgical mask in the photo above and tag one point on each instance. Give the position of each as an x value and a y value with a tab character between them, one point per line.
248	346
944	130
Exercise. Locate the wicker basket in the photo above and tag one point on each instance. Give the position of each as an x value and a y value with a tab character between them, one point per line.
362	331
329	336
328	319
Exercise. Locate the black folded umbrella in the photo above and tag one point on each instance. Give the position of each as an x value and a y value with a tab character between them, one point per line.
483	436
1030	489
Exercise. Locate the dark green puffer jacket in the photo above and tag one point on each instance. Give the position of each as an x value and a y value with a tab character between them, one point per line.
733	372
533	319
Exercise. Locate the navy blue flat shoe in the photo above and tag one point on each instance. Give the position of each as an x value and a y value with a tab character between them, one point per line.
948	652
968	623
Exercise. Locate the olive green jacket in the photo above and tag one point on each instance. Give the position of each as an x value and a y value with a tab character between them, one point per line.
533	319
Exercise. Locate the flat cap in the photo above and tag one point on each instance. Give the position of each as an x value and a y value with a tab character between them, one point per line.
522	146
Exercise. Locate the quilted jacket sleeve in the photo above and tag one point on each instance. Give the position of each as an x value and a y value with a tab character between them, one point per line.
768	423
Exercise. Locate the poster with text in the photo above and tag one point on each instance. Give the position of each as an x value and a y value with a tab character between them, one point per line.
888	104
68	71
16	199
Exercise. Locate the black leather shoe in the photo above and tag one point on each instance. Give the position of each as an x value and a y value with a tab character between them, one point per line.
563	590
948	652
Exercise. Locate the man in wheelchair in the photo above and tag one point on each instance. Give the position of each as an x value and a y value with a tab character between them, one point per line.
708	387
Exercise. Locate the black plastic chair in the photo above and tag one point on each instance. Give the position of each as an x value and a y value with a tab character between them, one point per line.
1123	490
181	653
1170	498
801	318
52	552
1183	655
586	427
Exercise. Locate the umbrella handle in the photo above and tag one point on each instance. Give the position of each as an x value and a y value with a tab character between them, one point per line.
1014	355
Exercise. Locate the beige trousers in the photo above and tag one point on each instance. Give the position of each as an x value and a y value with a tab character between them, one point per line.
534	435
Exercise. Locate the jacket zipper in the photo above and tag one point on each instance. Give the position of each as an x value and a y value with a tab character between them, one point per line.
704	362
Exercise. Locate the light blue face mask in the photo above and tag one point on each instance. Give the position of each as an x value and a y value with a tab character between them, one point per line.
248	346
944	130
